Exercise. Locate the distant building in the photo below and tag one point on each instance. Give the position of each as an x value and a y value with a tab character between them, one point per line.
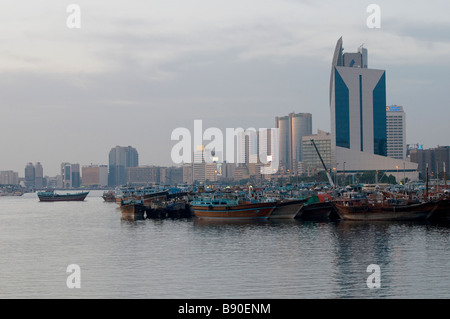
94	175
435	158
30	175
396	132
187	173
292	128
121	158
71	177
171	175
143	175
39	181
9	178
311	159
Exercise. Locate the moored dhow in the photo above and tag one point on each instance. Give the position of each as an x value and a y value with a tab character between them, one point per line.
226	208
50	196
363	210
287	209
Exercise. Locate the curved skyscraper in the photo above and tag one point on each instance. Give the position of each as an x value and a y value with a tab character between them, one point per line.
358	117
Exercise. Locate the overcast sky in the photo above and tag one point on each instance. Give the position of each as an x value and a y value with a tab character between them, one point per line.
136	70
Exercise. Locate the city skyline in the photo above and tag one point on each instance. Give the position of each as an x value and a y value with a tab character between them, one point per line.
134	72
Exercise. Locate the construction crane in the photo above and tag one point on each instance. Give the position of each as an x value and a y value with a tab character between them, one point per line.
324	166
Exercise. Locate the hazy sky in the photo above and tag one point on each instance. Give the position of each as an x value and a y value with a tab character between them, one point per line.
136	70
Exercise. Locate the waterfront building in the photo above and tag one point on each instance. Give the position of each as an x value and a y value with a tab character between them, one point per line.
171	175
94	175
291	129
436	158
396	132
143	175
311	159
120	158
187	173
9	178
30	175
358	117
39	181
70	175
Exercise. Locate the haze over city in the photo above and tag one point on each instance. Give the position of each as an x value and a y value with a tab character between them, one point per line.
137	70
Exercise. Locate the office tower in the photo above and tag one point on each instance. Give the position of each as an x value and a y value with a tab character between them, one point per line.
120	158
292	128
198	166
358	117
39	176
66	175
358	103
30	175
94	175
396	132
70	175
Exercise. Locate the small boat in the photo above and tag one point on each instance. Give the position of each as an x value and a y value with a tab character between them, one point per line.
50	196
362	209
287	209
109	196
226	208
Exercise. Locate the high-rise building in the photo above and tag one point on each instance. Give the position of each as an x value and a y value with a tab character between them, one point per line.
358	117
358	103
39	176
30	175
396	132
291	130
70	175
120	158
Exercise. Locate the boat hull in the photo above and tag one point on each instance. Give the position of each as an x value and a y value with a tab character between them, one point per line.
287	209
442	212
63	198
317	211
387	213
133	211
242	211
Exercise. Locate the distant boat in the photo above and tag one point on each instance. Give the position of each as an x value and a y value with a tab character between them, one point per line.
109	196
54	197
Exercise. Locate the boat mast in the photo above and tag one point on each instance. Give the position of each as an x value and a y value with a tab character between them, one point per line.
426	182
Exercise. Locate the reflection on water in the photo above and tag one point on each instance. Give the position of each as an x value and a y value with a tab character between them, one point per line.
193	258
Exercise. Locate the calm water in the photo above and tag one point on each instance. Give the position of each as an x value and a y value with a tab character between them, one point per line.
194	259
